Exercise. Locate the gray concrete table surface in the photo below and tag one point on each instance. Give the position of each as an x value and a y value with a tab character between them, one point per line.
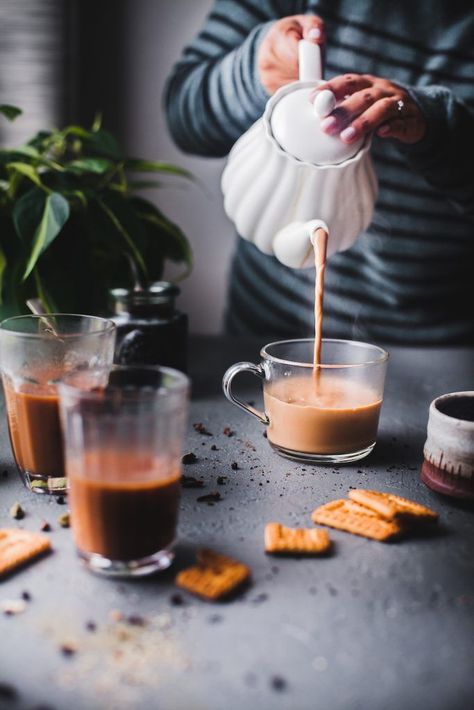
373	626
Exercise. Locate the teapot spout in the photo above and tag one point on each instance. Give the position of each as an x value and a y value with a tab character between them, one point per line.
293	245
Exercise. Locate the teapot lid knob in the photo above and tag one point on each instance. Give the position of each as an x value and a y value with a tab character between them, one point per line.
324	103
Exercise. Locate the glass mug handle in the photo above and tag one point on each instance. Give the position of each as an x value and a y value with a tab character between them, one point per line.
227	387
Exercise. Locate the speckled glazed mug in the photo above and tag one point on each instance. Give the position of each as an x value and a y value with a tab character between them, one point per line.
448	465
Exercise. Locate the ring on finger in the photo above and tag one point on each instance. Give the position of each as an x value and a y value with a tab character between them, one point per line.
400	106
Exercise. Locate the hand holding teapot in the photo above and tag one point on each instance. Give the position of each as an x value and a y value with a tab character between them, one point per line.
277	60
285	172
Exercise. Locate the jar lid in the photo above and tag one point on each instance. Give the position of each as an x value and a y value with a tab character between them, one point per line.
157	293
296	127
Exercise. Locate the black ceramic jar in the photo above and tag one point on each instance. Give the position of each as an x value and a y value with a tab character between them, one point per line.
150	330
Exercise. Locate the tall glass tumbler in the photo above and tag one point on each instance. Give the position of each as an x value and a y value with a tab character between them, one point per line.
123	430
35	352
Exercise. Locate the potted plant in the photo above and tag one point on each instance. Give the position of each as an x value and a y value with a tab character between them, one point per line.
72	226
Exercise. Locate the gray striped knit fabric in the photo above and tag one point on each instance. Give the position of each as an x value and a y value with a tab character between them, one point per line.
410	277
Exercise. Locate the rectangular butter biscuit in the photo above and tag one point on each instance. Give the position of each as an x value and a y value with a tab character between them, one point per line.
280	539
214	576
17	547
391	506
351	517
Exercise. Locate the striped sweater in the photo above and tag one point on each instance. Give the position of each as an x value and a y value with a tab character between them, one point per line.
410	277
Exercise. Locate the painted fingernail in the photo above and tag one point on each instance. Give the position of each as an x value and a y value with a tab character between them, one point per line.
329	125
348	134
384	130
314	33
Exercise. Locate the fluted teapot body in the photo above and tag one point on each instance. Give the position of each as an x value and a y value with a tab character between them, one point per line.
284	173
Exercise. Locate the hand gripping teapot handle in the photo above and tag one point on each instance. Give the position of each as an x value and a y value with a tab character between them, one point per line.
309	61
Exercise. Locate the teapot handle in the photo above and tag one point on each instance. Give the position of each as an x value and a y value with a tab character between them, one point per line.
310	61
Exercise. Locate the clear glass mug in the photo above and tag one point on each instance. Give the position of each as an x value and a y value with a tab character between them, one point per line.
35	352
327	415
123	432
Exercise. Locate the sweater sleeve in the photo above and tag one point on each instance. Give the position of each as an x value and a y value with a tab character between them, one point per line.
444	156
214	94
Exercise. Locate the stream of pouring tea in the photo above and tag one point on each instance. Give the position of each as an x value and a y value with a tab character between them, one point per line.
320	250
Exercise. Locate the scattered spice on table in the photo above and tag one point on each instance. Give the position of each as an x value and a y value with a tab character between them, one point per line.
26	596
262	597
11	607
67	649
64	520
221	480
176	600
191	482
17	512
45	526
136	620
278	683
60	500
228	431
210	498
189	458
91	626
214	448
201	429
234	466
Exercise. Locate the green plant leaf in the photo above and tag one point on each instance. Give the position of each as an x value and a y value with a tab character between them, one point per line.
28	151
97	123
144	184
10	112
153	166
26	170
106	144
77	131
99	166
166	239
54	211
27	214
43	295
111	209
3	265
79	195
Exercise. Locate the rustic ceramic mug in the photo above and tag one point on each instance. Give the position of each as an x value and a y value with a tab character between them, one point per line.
448	465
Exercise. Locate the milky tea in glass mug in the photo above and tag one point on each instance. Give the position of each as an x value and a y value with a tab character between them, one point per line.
327	414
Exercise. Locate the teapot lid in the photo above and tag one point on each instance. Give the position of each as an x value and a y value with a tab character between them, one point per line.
296	127
295	122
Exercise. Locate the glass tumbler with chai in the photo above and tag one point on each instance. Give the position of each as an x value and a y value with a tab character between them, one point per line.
123	431
35	352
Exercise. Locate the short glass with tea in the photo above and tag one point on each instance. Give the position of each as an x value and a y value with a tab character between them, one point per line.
35	352
123	430
327	413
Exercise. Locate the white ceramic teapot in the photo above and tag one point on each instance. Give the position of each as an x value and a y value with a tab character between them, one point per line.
284	175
